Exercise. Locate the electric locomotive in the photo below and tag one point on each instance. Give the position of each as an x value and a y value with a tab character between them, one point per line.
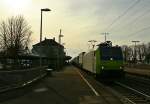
109	61
104	62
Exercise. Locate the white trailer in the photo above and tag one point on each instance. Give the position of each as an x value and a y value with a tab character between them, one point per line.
89	62
81	55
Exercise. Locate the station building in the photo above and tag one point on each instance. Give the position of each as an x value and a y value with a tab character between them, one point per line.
52	50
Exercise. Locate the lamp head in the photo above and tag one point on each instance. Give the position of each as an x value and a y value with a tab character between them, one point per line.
45	9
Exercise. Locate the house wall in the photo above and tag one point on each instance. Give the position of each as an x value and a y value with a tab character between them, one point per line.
55	55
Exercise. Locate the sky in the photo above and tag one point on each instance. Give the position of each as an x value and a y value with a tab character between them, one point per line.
84	20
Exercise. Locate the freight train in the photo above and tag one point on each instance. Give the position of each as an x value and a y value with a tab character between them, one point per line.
104	62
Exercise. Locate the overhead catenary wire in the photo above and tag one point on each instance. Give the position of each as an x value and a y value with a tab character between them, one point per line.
134	21
141	30
139	17
137	32
120	16
145	12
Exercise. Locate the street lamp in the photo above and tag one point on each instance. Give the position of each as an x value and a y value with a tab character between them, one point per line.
45	10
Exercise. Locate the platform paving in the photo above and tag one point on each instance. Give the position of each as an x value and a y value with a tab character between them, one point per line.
138	71
63	87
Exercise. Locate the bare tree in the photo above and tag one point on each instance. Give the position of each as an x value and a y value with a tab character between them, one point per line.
14	35
142	53
127	53
148	53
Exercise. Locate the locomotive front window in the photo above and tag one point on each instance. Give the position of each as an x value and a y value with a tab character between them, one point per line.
111	53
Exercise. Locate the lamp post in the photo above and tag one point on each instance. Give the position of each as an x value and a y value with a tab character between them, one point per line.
42	10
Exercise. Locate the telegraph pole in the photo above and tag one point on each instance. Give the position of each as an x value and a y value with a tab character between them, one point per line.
105	33
135	50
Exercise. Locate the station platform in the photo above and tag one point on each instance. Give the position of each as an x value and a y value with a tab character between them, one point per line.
63	87
136	71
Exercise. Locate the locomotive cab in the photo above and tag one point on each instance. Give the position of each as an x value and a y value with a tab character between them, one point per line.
109	61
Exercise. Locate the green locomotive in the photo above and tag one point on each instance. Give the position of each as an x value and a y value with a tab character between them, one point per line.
109	61
105	62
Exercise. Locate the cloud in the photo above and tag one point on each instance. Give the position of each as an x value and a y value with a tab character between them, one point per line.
83	20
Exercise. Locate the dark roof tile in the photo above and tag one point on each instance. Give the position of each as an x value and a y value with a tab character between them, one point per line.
47	42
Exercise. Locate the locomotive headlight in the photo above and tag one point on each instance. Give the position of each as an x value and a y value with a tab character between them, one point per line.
102	67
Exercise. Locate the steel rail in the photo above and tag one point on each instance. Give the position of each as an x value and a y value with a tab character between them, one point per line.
125	86
138	94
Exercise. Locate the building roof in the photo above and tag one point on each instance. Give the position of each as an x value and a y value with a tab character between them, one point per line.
49	42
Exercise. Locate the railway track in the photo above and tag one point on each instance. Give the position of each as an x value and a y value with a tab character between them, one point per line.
138	83
103	92
135	89
139	94
131	95
131	90
126	94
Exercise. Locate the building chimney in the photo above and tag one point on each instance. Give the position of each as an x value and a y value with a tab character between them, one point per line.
54	38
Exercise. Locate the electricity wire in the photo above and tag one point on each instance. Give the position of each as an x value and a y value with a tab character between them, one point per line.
124	13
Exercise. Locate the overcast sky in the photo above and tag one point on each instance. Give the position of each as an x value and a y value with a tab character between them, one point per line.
83	20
